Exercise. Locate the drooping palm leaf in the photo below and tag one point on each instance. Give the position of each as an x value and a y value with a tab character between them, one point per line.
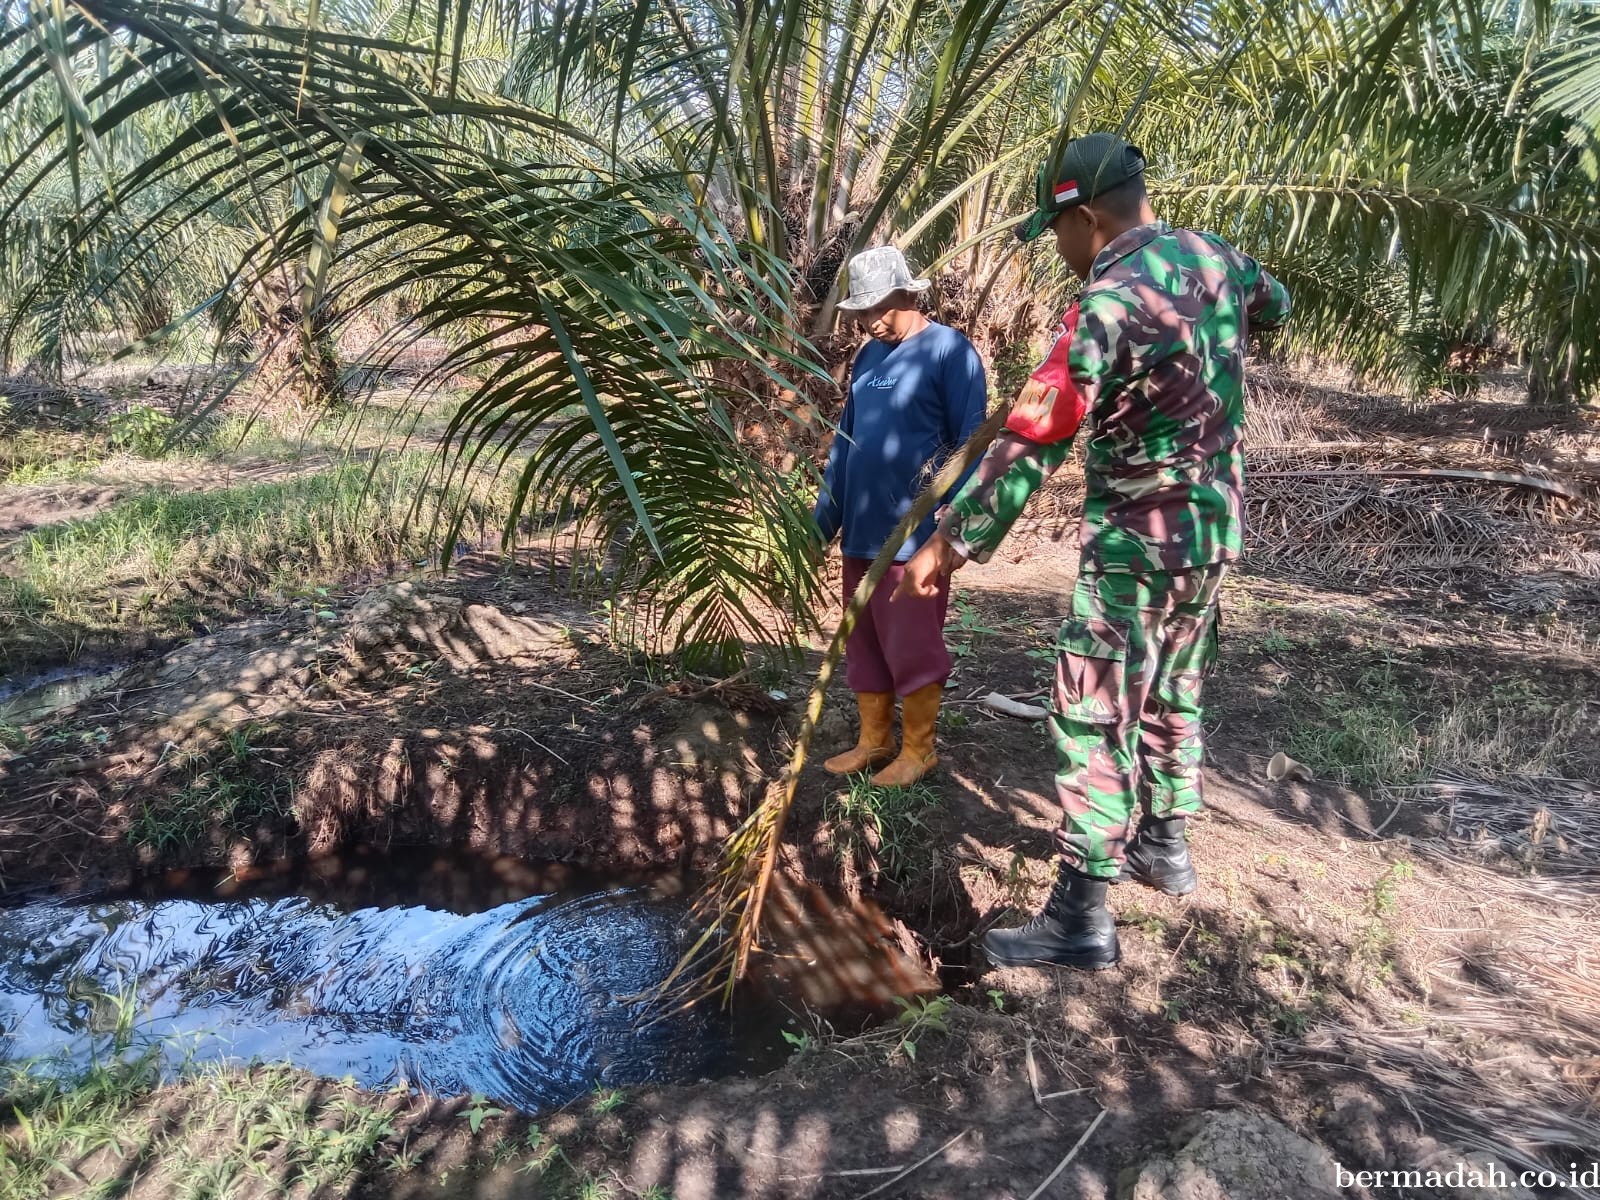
607	290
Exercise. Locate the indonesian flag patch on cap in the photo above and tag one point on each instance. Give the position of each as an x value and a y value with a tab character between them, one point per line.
1066	191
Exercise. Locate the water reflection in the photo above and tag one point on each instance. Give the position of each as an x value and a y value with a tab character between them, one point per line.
532	1002
37	697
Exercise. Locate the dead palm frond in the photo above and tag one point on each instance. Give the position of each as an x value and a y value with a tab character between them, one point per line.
1540	1130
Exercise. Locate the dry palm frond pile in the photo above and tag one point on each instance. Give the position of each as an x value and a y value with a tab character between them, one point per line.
1340	491
1344	514
1527	1116
1345	489
1551	827
1532	974
40	400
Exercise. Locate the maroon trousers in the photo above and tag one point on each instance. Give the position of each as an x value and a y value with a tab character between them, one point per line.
896	646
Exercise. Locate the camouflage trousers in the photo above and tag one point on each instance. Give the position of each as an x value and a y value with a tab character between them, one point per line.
1134	655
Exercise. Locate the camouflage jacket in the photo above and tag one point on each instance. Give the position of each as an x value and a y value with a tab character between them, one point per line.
1152	356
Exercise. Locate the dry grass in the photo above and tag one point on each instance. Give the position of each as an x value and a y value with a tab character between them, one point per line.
1547	825
1525	1120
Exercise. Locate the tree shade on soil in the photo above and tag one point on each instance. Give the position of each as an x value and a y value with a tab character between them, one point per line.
1358	962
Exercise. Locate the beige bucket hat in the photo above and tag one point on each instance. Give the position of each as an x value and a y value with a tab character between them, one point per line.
877	272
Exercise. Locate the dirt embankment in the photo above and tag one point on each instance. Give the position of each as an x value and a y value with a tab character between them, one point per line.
418	714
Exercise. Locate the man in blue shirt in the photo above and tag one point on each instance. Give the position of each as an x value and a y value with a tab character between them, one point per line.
917	391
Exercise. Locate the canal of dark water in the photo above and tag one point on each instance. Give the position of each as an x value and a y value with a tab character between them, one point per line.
447	973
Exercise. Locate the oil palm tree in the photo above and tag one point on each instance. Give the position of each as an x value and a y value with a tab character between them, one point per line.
603	295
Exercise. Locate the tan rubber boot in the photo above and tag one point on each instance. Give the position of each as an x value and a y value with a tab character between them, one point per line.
876	745
919	716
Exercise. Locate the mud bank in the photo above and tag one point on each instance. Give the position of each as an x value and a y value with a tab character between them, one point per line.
414	716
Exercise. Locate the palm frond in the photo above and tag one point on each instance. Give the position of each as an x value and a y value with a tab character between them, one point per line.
610	294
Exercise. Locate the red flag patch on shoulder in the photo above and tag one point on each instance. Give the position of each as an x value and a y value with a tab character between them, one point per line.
1050	408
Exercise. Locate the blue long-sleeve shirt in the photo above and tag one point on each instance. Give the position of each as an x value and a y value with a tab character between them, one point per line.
910	406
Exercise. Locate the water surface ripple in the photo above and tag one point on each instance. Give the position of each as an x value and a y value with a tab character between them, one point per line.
532	1002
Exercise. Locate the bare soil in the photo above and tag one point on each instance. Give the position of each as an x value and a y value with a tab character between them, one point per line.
1353	964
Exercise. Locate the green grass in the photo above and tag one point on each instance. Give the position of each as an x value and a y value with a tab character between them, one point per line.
164	557
55	1123
286	438
37	455
1383	730
226	799
270	1130
887	825
1365	736
48	456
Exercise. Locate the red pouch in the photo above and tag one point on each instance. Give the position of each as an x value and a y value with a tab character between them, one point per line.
1050	408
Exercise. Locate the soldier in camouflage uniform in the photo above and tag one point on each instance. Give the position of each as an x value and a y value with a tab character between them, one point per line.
1151	357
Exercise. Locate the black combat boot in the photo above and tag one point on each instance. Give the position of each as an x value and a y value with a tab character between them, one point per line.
1073	930
1158	857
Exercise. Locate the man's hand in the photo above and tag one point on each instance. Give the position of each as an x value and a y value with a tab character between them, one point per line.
927	568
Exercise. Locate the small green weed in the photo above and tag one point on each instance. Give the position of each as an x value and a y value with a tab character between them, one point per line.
1386	889
802	1042
404	1160
916	1018
606	1100
478	1110
542	1150
1152	924
1291	964
1291	1020
968	629
1274	642
142	430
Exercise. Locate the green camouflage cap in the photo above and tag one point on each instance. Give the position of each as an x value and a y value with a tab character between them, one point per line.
1087	167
